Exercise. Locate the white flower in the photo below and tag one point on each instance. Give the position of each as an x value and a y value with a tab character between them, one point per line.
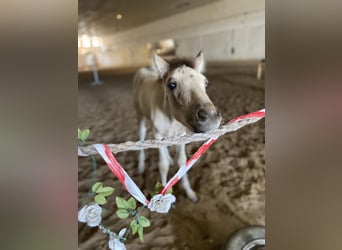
115	243
161	203
90	214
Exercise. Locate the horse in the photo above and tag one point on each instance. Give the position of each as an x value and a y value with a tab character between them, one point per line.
172	94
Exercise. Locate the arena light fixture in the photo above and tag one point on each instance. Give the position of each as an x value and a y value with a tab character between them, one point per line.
86	43
95	41
119	16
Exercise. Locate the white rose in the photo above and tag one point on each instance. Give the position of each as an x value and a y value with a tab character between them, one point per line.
90	214
161	203
115	243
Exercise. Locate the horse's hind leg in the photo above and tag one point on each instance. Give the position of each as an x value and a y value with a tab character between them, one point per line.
142	136
185	181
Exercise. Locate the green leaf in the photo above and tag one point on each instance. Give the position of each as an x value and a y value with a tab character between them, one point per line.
85	134
122	213
79	134
141	233
121	203
143	221
97	186
106	191
100	199
170	191
158	187
131	203
134	226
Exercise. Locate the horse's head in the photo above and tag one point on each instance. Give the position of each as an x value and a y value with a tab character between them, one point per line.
185	92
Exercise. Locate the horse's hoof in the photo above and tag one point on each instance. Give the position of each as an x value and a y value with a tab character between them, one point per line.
192	196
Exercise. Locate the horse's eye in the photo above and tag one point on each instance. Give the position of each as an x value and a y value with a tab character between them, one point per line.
171	85
206	83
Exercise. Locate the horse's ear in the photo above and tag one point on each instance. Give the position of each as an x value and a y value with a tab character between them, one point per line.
159	64
199	62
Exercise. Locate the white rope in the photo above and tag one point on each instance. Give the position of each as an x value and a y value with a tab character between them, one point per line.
232	126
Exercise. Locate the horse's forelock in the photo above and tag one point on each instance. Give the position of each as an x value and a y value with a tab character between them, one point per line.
179	62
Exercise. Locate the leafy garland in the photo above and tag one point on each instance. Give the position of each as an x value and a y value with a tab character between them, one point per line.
91	213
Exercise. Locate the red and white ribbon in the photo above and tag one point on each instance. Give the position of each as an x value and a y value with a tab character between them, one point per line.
135	191
188	165
120	173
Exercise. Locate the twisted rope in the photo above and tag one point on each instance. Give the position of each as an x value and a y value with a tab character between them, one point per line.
231	126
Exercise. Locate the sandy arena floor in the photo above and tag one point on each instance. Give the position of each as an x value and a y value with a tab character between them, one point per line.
229	178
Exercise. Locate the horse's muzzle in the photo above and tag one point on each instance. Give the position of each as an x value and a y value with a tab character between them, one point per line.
207	119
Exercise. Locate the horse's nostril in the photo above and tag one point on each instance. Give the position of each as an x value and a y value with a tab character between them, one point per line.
218	113
202	115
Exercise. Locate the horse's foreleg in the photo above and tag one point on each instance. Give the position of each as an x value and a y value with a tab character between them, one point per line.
185	181
164	163
142	136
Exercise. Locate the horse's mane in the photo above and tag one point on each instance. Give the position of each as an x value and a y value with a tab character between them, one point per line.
177	62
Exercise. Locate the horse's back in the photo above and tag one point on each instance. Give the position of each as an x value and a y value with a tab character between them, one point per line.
144	74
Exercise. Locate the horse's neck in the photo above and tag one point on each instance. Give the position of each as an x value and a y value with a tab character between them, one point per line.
166	125
166	108
161	101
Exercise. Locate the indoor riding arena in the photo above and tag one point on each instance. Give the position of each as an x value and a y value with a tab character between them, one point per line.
116	38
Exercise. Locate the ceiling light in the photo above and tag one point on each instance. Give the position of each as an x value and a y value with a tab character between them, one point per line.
86	41
95	42
119	16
